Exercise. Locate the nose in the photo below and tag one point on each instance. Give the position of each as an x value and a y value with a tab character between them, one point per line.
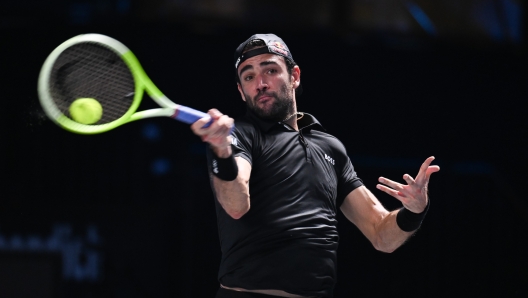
262	85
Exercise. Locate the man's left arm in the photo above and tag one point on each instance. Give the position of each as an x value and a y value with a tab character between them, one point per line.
388	230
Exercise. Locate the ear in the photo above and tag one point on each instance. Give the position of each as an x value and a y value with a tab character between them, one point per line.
240	91
296	77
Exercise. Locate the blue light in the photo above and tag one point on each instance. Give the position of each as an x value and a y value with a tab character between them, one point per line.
160	166
80	261
421	17
513	19
151	132
35	243
486	16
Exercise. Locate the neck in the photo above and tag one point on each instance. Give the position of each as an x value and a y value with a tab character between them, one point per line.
291	120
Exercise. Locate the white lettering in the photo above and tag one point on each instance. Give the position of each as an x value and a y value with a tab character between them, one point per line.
215	166
329	159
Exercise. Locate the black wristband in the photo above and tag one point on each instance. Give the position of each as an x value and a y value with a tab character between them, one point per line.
409	221
224	168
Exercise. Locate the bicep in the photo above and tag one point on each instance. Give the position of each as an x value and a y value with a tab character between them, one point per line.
364	210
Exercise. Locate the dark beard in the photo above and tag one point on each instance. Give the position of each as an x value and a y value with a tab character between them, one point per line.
281	109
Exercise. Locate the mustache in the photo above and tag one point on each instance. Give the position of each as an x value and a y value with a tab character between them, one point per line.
272	94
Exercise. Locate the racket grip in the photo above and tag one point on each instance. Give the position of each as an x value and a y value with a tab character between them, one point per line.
189	115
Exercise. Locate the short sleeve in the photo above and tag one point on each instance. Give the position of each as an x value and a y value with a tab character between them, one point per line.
348	181
242	142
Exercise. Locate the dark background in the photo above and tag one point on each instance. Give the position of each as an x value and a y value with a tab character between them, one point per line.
129	213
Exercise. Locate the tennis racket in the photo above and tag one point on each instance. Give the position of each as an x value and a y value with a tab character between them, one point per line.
100	67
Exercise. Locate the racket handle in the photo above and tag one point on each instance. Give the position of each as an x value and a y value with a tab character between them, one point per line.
189	115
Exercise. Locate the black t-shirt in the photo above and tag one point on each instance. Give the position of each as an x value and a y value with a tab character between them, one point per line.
288	238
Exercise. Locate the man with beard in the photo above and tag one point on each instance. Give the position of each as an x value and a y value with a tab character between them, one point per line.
279	178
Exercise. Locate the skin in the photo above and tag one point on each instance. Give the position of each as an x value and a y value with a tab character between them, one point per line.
268	88
264	81
363	209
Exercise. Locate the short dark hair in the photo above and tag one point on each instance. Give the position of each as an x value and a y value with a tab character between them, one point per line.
258	43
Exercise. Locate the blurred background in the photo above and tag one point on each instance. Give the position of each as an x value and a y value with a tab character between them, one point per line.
130	213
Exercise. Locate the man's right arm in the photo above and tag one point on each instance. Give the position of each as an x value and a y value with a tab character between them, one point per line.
233	195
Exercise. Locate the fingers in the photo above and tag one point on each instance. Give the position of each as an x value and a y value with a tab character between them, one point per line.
413	195
216	134
200	123
197	126
401	190
424	166
214	113
393	184
392	192
426	170
221	124
408	179
430	170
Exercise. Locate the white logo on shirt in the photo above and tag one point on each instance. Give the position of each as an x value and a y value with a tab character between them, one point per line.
215	166
330	160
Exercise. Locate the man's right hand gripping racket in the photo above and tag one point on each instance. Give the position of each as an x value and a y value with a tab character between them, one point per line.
102	72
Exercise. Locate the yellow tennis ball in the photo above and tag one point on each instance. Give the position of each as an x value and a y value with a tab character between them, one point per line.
86	110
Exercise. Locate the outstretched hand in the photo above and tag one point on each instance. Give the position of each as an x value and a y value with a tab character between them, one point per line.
413	195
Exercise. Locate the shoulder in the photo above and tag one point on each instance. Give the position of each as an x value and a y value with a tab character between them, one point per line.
244	127
332	140
246	134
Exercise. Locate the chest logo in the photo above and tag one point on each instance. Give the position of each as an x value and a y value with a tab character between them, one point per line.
329	159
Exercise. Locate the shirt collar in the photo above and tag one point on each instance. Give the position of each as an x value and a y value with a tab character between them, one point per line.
303	122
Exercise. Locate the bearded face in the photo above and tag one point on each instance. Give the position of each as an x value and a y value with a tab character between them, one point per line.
267	87
277	109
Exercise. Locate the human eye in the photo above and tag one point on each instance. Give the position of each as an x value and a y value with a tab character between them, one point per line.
248	78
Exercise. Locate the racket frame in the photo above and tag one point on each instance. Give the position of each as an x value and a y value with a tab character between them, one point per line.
141	83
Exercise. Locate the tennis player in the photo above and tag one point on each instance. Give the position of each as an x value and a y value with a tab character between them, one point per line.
279	179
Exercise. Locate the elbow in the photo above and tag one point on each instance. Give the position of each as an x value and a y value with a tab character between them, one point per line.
385	249
236	213
383	246
235	202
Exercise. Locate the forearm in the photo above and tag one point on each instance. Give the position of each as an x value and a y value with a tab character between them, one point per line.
390	235
230	175
233	196
399	225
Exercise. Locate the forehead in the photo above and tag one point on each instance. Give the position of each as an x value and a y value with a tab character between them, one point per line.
256	60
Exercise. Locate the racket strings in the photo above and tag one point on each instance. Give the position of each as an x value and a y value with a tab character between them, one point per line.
94	71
